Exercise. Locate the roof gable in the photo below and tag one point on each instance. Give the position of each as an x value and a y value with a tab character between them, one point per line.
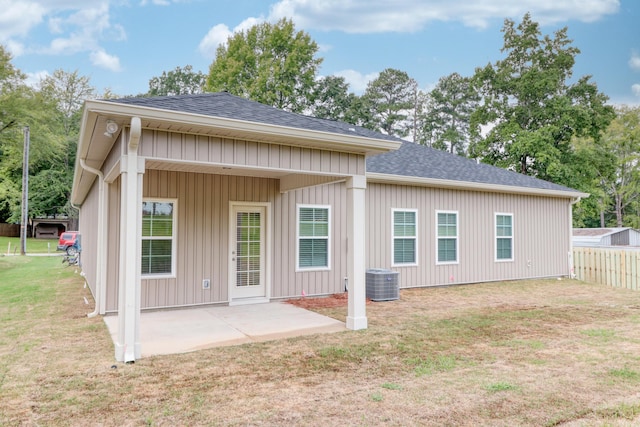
225	105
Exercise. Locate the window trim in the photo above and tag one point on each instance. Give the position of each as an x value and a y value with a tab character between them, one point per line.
496	237
393	239
174	239
328	238
457	238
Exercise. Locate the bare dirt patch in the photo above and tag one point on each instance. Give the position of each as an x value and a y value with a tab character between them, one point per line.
331	301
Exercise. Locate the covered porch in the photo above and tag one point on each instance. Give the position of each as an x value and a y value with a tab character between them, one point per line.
177	158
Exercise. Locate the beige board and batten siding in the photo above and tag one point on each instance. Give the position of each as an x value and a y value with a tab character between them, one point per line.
202	210
89	237
287	282
202	237
208	150
540	237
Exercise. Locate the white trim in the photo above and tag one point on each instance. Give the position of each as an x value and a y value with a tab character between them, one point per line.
174	239
393	239
496	237
328	238
383	178
267	254
356	253
457	237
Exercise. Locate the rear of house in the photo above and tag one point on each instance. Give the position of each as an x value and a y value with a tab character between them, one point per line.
213	199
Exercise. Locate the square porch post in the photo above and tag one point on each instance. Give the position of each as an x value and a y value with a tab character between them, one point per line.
127	348
356	248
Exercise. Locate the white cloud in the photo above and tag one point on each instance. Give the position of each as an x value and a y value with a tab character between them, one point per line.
357	81
76	26
376	16
636	89
34	79
102	59
18	18
634	61
15	48
218	34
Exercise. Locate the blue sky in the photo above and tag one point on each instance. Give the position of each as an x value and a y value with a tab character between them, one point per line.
122	44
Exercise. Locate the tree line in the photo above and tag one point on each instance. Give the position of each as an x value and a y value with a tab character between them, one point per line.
526	112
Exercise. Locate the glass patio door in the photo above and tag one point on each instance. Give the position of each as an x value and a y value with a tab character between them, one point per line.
248	252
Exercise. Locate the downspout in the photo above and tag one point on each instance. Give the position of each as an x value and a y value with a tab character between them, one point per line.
101	267
572	202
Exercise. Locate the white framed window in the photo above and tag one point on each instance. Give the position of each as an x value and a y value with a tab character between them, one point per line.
313	240
504	236
158	237
447	237
404	236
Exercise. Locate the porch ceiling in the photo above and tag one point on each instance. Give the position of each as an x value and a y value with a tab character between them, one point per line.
288	180
214	169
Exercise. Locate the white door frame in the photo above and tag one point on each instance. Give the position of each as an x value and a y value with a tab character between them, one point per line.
267	253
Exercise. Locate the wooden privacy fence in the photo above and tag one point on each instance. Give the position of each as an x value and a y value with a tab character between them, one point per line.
9	230
607	266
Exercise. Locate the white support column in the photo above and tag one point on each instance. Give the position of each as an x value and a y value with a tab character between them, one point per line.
356	247
127	347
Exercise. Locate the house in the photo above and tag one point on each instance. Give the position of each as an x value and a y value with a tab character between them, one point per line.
213	199
614	236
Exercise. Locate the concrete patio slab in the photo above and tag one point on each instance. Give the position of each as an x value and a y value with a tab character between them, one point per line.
192	329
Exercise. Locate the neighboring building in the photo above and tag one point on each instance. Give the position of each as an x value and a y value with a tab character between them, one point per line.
213	199
614	236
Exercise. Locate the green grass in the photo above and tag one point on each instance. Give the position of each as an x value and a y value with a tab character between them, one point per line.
432	365
603	335
377	397
500	386
34	246
392	386
625	374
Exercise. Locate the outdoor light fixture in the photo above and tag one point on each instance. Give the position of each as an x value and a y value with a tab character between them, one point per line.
111	128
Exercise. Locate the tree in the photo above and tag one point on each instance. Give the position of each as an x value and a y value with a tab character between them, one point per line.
52	114
530	107
447	115
47	152
181	81
68	91
11	80
331	98
268	63
392	98
616	158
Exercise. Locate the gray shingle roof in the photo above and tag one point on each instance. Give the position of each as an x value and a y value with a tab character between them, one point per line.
225	105
425	162
410	160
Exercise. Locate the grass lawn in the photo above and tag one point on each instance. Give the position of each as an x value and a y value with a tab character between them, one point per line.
11	245
529	353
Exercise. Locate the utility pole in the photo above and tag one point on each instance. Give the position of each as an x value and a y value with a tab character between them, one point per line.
25	193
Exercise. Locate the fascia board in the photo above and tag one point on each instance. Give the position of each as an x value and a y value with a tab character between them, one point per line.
472	186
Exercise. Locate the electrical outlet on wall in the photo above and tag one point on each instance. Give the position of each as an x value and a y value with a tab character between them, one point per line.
206	284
